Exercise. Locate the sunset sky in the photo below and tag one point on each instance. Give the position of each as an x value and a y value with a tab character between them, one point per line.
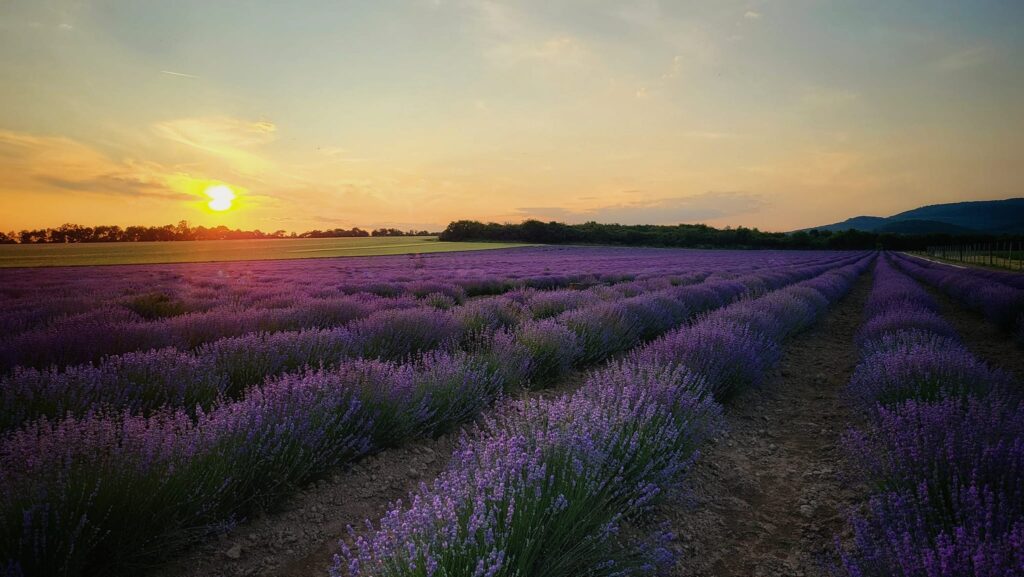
320	114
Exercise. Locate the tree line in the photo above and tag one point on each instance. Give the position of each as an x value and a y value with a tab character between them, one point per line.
535	231
696	236
75	233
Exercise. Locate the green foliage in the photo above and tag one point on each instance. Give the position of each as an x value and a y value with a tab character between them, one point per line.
691	236
156	305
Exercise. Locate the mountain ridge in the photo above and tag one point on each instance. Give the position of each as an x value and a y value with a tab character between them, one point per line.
956	218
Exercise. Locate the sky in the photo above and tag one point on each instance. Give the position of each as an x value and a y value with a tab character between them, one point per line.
776	114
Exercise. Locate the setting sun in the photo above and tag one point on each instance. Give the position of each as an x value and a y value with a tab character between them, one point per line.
220	197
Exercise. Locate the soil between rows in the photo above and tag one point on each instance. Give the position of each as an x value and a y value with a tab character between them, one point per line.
767	498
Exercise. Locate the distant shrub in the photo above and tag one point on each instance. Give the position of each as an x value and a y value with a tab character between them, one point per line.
553	349
399	334
156	306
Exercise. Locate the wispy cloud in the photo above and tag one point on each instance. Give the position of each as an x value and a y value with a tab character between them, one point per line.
336	155
966	58
827	97
712	135
685	209
51	164
561	48
509	36
230	139
751	15
179	74
674	68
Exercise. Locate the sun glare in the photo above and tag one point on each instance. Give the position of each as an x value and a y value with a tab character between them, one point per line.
220	197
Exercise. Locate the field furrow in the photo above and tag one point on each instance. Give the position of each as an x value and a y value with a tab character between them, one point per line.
767	496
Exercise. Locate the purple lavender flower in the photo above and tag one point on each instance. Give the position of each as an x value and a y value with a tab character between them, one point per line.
902	319
136	382
895	538
922	373
552	350
397	334
602	330
946	443
729	355
547	483
943	451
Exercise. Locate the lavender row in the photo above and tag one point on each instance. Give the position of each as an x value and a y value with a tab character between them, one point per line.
1000	300
110	331
942	453
142	382
152	379
36	298
107	491
107	330
561	486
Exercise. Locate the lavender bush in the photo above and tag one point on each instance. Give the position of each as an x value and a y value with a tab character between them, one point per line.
943	451
544	488
922	373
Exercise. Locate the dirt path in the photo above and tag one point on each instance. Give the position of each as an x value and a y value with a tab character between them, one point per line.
767	498
982	338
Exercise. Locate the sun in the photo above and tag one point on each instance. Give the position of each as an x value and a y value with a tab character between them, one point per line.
221	196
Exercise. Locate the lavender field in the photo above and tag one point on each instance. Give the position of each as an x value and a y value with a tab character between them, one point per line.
170	419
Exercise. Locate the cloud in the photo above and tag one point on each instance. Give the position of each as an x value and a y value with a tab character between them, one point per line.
218	131
556	50
751	15
711	135
230	139
688	209
48	164
180	74
336	155
561	48
673	71
509	37
823	170
828	98
966	58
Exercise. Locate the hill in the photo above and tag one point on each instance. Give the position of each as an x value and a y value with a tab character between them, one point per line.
958	218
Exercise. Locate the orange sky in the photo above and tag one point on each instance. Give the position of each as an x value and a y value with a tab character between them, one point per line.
775	114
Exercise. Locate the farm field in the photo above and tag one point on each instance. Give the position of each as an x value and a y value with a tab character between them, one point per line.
112	253
1000	261
522	411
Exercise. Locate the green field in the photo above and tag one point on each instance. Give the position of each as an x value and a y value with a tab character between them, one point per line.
36	255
